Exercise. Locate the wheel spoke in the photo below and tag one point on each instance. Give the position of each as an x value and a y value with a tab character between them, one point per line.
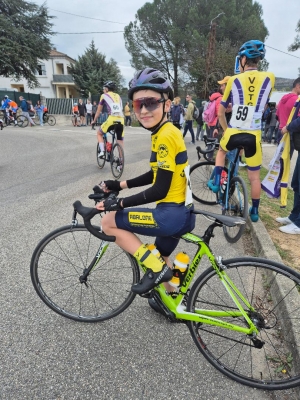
269	360
58	269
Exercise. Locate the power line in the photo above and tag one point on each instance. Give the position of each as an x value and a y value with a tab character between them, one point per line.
82	16
83	33
292	55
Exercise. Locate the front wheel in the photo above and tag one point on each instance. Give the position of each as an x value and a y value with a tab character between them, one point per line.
22	121
51	120
117	160
236	206
270	360
59	262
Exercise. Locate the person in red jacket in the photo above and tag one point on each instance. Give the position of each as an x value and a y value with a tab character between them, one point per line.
284	108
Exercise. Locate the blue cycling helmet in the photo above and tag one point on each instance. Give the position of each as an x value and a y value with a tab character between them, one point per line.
253	49
153	79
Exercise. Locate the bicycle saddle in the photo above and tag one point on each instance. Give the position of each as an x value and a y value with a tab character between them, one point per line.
222	219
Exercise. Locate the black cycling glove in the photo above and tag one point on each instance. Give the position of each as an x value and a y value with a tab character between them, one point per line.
112	204
113	185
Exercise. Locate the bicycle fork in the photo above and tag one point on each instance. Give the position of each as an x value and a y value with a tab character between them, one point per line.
102	249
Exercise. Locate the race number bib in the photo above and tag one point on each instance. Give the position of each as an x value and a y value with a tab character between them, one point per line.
242	116
115	108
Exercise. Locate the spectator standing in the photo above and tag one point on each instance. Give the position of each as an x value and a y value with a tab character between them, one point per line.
25	107
284	109
270	123
127	114
292	222
176	113
189	118
94	110
39	108
215	97
82	112
200	122
75	114
264	116
89	109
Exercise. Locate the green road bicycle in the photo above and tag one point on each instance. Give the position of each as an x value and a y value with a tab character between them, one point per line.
242	313
233	195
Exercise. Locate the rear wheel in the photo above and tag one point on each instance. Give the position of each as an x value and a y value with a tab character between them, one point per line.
237	206
270	360
22	121
59	262
101	160
117	160
51	120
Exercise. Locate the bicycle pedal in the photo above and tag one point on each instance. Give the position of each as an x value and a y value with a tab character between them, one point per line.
170	316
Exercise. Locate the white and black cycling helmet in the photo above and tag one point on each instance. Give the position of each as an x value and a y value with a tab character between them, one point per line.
153	79
110	85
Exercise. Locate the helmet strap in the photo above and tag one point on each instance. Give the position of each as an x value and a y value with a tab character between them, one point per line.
243	66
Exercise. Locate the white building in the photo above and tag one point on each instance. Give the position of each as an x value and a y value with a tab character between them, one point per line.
53	76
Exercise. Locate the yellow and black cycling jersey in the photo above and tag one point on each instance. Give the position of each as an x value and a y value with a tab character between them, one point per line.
169	153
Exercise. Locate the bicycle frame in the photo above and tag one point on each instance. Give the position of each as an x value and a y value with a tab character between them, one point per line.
113	134
232	171
174	305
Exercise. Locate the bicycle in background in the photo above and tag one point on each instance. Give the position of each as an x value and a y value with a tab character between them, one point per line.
233	195
242	313
113	153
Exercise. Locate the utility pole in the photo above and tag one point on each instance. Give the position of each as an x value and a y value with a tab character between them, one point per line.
211	50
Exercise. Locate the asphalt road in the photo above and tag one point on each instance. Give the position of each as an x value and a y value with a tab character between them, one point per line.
137	355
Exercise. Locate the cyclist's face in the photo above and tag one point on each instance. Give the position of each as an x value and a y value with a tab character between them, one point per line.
145	116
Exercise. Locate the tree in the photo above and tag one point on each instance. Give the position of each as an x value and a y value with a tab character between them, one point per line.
296	45
173	36
91	71
25	31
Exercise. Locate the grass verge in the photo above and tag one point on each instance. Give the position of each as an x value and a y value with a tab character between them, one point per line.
269	209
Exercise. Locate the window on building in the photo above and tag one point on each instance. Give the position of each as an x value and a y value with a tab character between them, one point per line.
41	69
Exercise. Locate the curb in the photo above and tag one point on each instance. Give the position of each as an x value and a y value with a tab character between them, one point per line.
263	243
280	287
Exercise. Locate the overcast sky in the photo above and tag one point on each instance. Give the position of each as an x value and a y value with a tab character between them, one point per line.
280	18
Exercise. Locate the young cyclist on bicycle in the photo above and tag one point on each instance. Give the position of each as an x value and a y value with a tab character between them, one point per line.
152	95
248	92
115	110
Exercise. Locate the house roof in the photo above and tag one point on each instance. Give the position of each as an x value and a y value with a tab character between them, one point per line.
54	53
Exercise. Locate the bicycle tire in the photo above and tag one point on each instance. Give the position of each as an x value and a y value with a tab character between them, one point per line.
273	290
200	174
22	121
101	161
117	160
60	259
51	120
237	207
